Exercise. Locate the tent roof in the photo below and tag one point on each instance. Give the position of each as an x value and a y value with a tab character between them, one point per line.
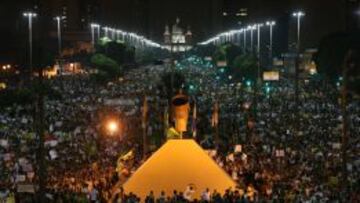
175	166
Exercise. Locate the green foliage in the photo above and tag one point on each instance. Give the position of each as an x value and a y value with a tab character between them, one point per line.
106	65
219	54
332	50
117	51
227	52
331	55
244	66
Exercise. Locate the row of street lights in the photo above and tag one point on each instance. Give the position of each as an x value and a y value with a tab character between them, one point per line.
229	35
30	16
139	40
117	34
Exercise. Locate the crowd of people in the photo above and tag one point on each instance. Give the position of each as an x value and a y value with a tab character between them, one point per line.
274	148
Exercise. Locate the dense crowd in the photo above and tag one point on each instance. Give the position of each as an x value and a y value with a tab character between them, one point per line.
282	152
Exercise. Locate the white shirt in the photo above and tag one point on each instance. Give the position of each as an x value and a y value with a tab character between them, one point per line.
188	194
206	195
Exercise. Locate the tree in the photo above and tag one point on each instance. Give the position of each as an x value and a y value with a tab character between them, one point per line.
227	52
244	66
331	54
332	51
107	67
117	51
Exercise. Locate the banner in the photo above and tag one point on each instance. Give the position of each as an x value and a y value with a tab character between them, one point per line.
221	64
26	188
238	148
4	143
271	75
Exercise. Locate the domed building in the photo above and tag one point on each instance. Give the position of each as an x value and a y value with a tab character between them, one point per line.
176	40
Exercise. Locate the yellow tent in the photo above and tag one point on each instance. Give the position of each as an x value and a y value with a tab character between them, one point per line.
175	166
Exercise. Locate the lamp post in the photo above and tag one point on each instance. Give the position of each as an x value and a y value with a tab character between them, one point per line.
252	28
258	27
58	21
271	24
106	31
112	30
245	29
298	15
240	32
118	32
93	27
257	83
30	16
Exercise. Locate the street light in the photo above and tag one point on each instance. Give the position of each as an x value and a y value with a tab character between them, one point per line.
258	27
58	21
106	29
271	24
240	32
252	28
118	32
93	27
245	30
30	16
112	126
298	15
112	30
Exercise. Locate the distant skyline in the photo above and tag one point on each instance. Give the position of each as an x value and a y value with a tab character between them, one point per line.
205	17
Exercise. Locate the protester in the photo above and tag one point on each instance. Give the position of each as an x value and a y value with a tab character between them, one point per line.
273	151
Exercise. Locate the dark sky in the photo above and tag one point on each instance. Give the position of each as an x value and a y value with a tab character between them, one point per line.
322	16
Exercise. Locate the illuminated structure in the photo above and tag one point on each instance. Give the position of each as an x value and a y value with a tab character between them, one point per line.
175	166
177	40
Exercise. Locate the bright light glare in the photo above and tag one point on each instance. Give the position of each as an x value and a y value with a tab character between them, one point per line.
112	126
298	14
270	23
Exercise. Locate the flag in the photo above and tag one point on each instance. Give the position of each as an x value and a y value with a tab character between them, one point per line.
144	112
215	115
193	127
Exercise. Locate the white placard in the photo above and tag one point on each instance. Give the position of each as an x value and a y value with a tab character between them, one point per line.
238	148
271	75
20	178
231	157
53	154
280	153
4	143
336	145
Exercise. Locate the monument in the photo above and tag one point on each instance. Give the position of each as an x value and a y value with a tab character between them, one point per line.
176	40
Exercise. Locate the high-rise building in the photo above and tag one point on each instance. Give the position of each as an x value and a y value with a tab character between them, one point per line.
353	15
78	14
234	14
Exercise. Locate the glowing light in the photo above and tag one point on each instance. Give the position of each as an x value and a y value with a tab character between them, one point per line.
298	14
112	127
270	23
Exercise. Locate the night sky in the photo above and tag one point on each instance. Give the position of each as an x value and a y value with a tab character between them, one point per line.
322	17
